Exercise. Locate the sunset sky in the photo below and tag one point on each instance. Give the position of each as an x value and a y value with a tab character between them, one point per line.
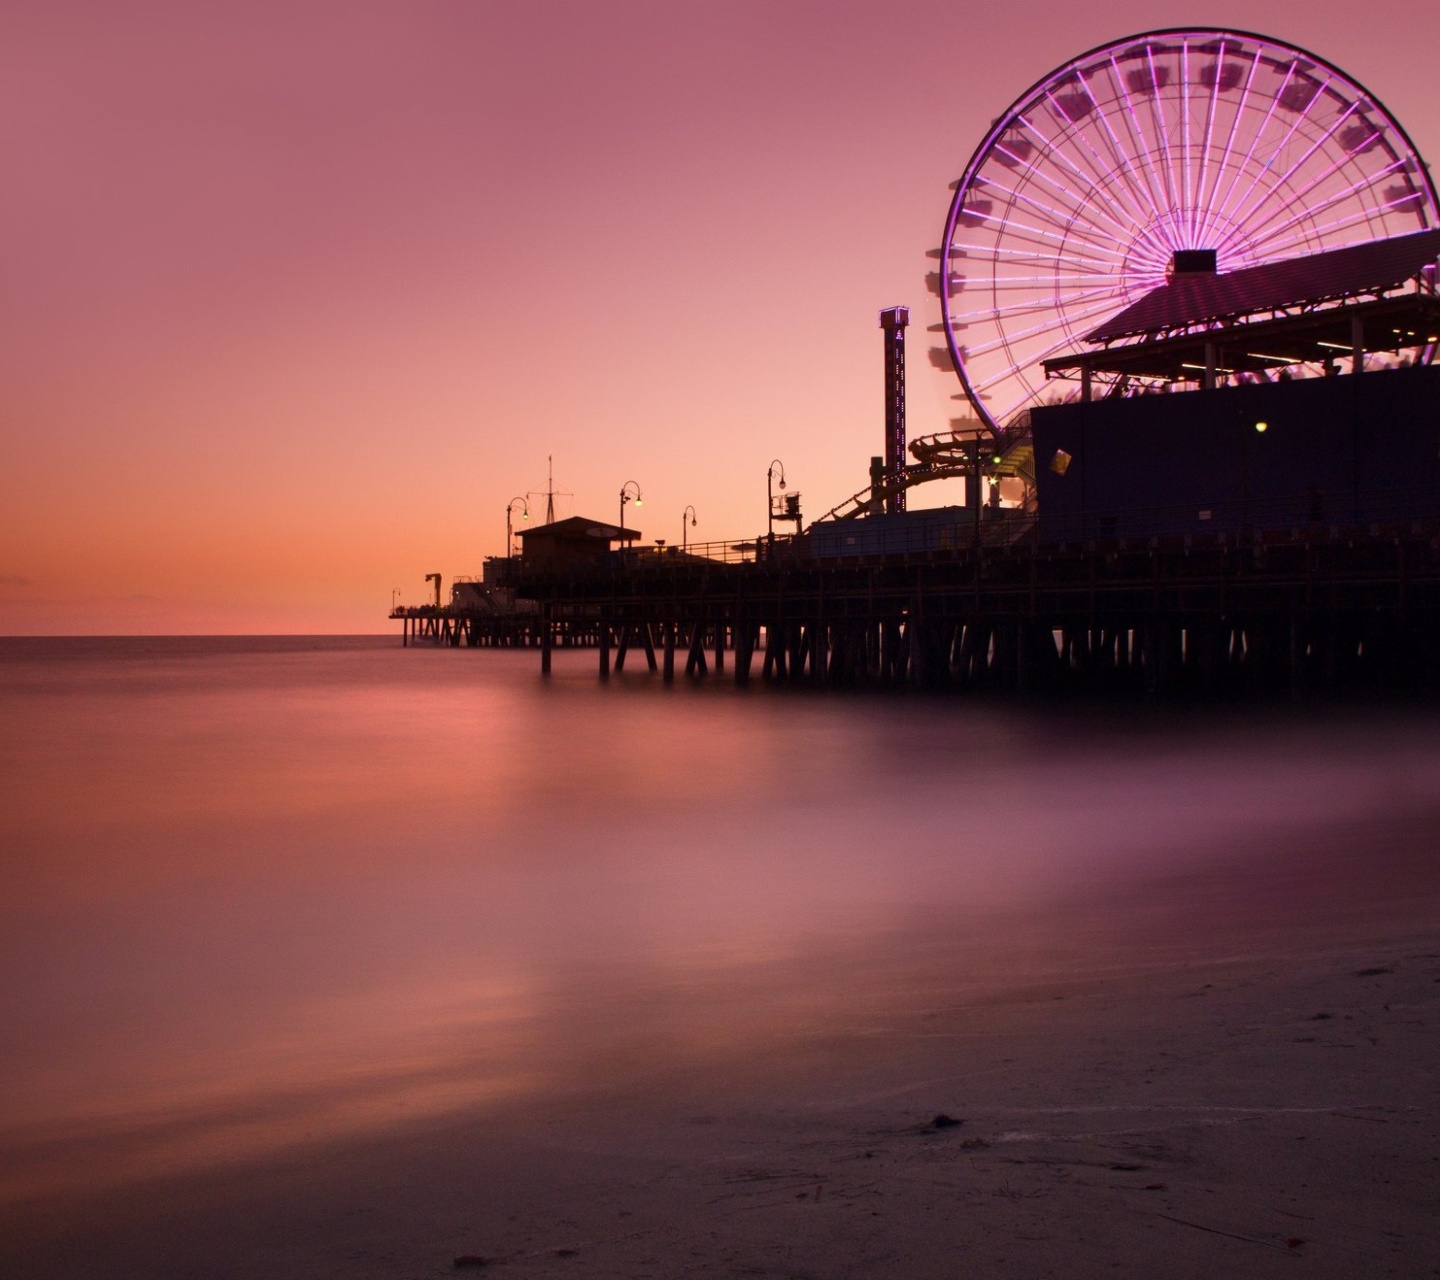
297	296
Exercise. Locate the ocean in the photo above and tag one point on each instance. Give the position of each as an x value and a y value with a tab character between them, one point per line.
266	891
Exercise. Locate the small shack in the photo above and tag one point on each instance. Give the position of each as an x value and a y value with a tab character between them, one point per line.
573	541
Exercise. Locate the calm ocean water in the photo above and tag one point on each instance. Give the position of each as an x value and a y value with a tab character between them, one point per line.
259	889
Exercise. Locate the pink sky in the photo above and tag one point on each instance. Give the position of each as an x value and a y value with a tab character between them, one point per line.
298	296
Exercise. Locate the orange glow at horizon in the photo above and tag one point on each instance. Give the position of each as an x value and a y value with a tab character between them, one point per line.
297	299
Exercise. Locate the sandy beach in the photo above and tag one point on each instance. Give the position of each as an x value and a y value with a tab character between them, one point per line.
1229	1072
709	641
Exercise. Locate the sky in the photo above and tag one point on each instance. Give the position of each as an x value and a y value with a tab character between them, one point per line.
298	296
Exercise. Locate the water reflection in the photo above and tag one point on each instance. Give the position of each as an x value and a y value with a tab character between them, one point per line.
257	895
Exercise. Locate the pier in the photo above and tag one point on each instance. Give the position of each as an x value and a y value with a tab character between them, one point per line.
1230	487
1289	614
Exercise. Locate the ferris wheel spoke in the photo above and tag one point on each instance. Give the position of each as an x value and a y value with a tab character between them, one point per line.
1044	315
1095	177
1020	230
1350	220
1069	323
1111	168
1142	184
1033	358
1213	203
1268	193
1279	148
1185	148
1102	170
1167	169
1211	107
982	252
1084	201
1299	115
1155	171
1031	282
1056	217
1135	177
1367	180
1256	135
1309	212
1015	405
1066	217
1031	307
1153	199
1368	213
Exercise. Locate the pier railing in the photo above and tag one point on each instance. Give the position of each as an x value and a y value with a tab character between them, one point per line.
731	551
839	539
1238	609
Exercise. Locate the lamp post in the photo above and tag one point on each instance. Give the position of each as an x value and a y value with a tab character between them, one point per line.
684	528
775	464
627	496
524	515
394	594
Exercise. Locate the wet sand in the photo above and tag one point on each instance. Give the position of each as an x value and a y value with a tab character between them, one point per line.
1230	1070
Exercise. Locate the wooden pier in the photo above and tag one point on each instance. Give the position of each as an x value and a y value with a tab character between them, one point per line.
1297	614
457	627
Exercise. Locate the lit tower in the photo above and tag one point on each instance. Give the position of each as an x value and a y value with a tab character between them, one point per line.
893	320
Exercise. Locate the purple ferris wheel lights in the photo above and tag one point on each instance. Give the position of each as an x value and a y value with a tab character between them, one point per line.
1077	200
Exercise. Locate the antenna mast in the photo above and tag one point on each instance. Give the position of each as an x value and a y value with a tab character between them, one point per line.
550	491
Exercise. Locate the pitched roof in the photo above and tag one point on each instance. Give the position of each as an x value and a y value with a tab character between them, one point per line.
579	528
1318	277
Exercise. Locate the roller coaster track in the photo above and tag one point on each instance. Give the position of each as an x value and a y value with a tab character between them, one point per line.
943	456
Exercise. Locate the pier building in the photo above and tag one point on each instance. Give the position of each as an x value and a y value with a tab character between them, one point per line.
1202	444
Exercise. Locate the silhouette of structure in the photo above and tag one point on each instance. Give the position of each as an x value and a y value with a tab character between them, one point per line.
1188	285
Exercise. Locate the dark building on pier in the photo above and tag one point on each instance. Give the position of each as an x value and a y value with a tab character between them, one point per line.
575	541
1309	411
1243	500
1270	456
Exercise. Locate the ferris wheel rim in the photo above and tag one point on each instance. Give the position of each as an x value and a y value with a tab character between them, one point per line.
1006	120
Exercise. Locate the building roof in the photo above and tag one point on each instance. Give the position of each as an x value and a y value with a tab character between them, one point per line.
1319	277
1404	322
579	529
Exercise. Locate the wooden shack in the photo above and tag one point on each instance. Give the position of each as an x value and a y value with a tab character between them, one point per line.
576	540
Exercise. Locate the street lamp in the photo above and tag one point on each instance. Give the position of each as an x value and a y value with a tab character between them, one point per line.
394	592
524	515
684	528
627	496
770	492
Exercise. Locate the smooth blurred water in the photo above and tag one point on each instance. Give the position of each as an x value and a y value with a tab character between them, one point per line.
257	890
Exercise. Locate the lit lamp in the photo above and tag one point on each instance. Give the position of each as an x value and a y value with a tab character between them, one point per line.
775	466
627	496
524	515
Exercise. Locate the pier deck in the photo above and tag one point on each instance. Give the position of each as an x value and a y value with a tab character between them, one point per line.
1298	613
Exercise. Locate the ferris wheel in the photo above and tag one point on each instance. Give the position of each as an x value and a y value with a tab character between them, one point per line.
1075	203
